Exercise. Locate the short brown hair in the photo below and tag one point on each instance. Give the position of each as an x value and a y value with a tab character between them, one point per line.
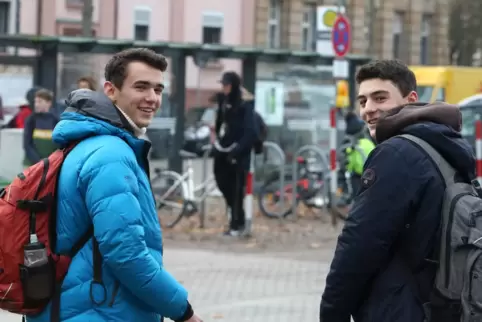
391	70
45	94
90	82
116	69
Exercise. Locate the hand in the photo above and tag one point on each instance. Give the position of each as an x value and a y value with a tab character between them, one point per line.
194	318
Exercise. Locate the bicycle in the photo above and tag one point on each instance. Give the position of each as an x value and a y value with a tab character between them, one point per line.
180	193
310	189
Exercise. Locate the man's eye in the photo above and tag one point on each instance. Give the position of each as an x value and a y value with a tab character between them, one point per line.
379	99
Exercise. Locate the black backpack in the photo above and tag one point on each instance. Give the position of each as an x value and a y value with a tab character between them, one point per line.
261	133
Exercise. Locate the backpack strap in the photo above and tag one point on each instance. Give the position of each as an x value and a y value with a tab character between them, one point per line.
447	171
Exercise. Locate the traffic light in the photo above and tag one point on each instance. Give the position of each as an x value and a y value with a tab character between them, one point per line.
342	94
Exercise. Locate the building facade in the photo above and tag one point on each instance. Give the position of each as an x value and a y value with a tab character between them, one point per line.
413	31
210	21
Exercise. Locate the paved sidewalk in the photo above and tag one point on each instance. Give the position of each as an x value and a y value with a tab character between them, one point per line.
247	288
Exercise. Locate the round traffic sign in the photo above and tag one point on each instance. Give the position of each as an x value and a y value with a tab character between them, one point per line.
341	36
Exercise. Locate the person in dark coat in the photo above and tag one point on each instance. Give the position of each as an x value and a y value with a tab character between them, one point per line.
235	124
383	268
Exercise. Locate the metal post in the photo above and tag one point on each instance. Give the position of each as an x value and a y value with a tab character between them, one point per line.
46	67
307	148
179	102
478	147
248	199
333	161
279	151
202	208
249	74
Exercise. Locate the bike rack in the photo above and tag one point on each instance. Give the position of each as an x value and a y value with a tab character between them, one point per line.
326	168
202	209
275	147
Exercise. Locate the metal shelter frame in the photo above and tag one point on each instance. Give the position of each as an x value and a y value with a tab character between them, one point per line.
48	47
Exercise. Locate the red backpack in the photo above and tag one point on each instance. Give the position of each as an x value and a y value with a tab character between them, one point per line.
30	271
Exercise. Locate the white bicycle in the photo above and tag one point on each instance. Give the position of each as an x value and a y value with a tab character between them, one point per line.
177	195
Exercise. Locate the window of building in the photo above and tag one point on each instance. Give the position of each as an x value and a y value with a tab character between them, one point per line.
397	35
4	20
212	27
425	40
308	28
142	21
274	22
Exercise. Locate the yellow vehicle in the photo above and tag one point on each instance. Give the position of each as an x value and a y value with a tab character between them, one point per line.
447	83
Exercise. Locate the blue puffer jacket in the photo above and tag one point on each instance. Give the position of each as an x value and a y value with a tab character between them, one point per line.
103	181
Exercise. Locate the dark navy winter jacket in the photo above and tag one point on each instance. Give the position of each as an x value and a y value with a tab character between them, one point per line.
380	271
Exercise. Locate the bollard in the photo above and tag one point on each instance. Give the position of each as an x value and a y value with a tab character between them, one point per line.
202	208
248	199
321	155
281	154
333	167
478	147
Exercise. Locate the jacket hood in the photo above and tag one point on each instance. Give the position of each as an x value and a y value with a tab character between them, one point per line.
439	124
90	113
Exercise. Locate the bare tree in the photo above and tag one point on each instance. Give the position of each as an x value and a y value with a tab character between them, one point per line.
465	36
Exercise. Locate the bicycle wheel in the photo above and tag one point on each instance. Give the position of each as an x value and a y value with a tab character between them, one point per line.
170	196
269	199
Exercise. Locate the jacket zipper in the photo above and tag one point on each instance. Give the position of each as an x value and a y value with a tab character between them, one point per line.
448	235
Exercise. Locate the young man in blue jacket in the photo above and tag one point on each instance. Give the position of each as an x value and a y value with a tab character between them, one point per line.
383	268
235	126
104	182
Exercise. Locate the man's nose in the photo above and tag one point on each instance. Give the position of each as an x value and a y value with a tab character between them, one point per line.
151	96
370	107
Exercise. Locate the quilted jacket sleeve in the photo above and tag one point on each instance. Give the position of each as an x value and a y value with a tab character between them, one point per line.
111	188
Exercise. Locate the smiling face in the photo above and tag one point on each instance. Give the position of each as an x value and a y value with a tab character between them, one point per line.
376	96
140	95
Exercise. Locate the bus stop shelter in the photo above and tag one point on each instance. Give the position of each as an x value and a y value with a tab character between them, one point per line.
46	63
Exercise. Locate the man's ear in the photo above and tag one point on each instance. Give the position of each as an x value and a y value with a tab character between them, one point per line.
412	97
110	91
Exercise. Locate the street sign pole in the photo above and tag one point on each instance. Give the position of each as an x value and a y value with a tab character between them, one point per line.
341	42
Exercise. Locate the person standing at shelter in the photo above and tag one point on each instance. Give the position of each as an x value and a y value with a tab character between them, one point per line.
38	127
119	275
383	269
235	126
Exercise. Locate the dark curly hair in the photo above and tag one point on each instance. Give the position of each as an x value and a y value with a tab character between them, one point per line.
116	69
392	70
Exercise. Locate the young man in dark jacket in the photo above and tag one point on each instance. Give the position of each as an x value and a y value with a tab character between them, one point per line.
235	125
38	127
382	269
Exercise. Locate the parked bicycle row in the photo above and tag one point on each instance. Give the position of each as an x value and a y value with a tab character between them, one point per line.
305	180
